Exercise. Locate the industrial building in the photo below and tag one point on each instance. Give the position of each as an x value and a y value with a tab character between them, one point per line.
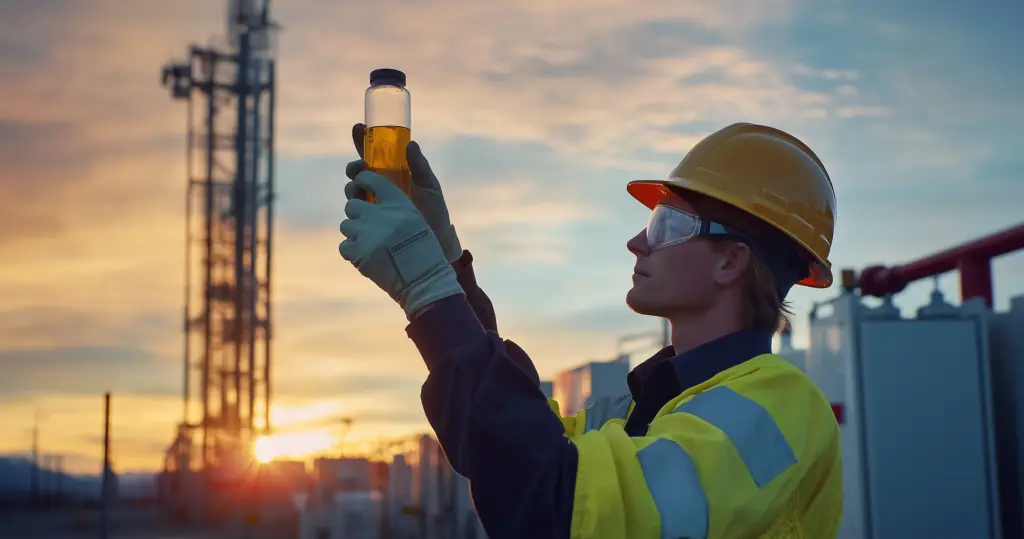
577	389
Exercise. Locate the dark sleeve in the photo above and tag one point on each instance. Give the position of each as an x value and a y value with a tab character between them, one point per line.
484	310
495	426
478	300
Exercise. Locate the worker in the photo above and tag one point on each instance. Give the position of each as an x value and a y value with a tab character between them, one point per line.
717	438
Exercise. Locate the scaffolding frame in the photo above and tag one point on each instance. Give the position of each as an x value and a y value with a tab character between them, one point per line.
230	94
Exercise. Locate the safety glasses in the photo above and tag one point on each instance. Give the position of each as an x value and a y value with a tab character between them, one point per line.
671	226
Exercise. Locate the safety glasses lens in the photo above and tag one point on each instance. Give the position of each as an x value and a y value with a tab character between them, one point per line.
669	226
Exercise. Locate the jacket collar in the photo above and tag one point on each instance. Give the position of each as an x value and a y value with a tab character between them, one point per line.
700	364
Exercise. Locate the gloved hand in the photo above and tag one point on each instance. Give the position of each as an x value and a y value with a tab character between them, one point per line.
425	193
391	243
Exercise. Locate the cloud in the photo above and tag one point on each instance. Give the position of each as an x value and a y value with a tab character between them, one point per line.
612	83
644	69
87	370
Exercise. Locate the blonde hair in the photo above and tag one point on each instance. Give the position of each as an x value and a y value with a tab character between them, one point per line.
762	306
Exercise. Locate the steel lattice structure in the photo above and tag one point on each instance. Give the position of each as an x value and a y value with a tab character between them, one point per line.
227	315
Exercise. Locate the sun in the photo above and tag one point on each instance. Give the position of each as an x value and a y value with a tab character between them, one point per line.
263	449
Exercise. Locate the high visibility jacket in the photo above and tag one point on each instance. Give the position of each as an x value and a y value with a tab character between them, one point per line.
726	441
752	452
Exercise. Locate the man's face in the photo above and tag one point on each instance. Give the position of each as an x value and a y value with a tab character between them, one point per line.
681	279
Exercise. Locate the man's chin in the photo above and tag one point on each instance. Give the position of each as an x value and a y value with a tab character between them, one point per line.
639	304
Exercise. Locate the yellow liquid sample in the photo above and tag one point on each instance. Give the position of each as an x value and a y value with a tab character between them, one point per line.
384	153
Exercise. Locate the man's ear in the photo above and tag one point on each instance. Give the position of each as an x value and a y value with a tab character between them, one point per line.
733	261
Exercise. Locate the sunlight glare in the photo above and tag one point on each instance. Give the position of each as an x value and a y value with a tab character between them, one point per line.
291	416
292	445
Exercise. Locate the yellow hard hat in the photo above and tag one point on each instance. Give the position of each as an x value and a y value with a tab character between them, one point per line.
767	173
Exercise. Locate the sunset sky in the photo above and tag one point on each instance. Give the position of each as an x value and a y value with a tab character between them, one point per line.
534	114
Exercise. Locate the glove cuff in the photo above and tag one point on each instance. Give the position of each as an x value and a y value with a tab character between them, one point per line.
439	284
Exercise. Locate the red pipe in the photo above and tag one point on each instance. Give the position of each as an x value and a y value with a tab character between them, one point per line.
972	259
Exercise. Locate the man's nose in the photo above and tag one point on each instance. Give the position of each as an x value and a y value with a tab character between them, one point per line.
638	244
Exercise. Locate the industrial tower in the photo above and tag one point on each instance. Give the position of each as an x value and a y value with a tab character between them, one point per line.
229	213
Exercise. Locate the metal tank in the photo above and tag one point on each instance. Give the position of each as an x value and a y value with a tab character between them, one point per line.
996	353
914	400
1006	345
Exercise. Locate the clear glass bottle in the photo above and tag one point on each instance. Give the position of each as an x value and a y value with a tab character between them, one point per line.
388	119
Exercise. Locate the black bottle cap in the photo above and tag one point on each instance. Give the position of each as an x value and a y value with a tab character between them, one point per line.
390	77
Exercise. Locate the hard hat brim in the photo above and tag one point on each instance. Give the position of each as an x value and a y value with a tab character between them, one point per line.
651	192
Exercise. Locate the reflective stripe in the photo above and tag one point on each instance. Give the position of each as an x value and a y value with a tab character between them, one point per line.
607	408
749	426
671	478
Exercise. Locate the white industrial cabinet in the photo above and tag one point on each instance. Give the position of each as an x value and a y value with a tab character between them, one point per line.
915	405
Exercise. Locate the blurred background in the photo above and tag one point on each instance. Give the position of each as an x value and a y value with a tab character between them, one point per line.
145	143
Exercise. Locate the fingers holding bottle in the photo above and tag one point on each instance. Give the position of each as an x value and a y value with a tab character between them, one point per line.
427	195
353	189
358	135
422	175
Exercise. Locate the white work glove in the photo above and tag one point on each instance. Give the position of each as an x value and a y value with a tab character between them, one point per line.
425	193
391	244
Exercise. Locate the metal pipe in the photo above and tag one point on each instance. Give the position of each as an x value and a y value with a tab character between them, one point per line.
209	63
34	487
190	190
252	286
973	260
240	198
105	480
267	321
